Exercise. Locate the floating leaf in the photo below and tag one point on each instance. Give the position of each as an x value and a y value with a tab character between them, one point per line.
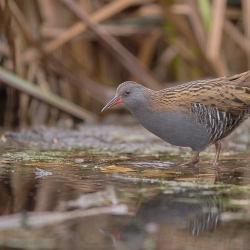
114	168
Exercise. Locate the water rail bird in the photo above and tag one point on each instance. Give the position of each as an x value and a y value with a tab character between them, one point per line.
195	114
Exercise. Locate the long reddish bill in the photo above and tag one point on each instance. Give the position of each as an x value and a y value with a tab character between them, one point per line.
116	100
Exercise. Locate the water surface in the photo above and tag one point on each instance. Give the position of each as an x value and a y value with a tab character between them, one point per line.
46	194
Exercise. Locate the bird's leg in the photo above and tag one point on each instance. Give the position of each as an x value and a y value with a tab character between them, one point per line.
218	147
193	161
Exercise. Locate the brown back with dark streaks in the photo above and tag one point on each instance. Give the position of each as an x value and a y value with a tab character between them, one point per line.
227	94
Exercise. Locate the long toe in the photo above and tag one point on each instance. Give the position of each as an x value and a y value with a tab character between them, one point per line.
192	162
215	164
188	164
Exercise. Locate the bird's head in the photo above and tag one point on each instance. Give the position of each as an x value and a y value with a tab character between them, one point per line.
131	94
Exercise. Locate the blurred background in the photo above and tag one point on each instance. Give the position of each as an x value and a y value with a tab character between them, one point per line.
61	60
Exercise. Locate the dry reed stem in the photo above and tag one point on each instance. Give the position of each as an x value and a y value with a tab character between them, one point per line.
147	49
123	55
196	22
98	91
100	15
215	36
180	24
45	96
246	22
237	36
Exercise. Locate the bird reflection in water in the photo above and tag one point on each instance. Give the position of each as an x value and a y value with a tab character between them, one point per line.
189	212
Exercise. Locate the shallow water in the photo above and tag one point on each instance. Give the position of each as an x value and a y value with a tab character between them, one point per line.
46	197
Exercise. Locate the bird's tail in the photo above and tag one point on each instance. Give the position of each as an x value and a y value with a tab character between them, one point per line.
242	79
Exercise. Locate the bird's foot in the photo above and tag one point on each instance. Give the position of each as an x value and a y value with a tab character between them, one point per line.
192	162
215	164
188	164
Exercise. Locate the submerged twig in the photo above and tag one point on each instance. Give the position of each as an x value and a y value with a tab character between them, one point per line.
94	199
31	219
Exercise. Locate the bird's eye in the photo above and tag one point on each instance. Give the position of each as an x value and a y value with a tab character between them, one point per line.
127	92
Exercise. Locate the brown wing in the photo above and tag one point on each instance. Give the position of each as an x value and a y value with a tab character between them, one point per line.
219	95
231	99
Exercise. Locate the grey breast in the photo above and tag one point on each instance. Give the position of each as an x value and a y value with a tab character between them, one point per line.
176	128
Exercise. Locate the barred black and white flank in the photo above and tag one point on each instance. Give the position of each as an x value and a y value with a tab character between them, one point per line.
218	123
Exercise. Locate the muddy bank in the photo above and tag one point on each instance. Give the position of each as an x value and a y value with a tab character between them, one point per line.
111	138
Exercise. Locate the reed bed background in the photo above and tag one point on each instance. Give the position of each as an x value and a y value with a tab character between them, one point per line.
63	59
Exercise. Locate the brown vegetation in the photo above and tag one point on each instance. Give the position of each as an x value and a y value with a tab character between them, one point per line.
74	53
